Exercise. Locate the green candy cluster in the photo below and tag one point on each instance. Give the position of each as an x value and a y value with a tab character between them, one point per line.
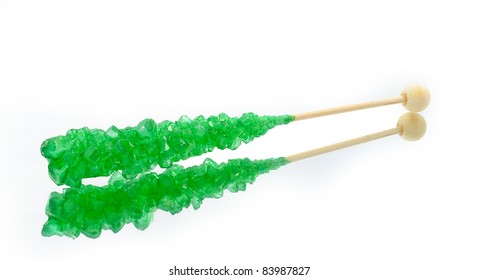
85	153
90	209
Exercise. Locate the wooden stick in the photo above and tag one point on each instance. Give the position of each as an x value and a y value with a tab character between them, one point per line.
349	108
345	144
410	126
414	98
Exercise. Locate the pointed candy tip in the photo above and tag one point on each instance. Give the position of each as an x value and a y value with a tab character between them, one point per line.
50	228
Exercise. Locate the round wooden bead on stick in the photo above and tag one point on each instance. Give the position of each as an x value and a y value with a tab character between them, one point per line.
411	126
414	98
417	98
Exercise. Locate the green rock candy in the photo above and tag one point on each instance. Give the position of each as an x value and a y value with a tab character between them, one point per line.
91	209
85	153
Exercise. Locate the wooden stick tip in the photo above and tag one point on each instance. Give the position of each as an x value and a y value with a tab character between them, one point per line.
417	98
412	125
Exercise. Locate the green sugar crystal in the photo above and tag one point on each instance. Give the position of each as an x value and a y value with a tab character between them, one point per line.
85	153
91	209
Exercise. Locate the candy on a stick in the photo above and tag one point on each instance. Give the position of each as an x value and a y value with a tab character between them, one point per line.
86	153
91	209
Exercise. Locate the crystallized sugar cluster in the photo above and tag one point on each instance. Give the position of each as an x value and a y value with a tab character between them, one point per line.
90	209
85	153
129	198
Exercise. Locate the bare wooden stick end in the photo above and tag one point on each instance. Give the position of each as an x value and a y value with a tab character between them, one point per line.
412	126
417	98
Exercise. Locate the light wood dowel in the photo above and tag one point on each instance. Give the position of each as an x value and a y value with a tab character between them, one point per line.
345	144
348	108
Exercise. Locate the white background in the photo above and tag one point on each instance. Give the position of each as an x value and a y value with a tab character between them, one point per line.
385	210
